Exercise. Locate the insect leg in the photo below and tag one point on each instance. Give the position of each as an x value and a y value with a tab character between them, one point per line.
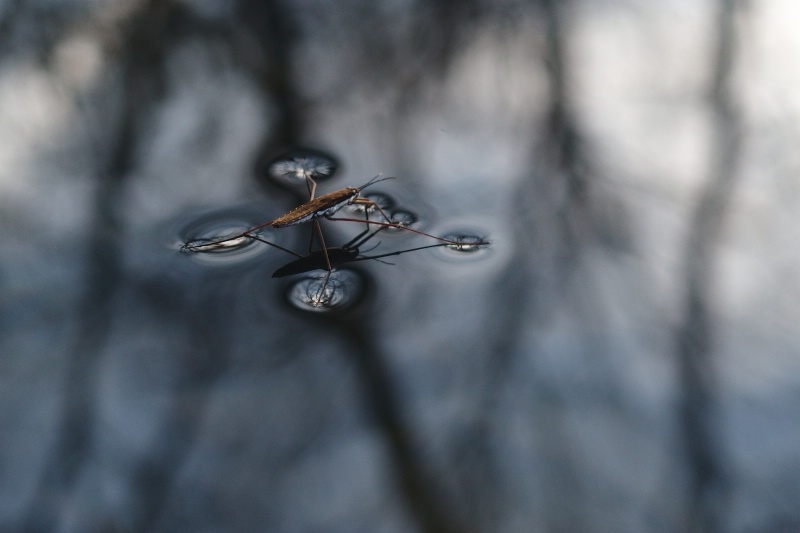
201	245
324	248
312	187
367	203
406	228
359	240
321	298
278	246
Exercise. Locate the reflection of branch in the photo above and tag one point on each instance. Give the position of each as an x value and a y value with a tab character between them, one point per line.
567	181
269	25
418	484
563	133
36	27
142	59
695	338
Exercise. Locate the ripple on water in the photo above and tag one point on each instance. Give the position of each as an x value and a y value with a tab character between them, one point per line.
382	200
321	293
217	238
295	167
466	245
403	218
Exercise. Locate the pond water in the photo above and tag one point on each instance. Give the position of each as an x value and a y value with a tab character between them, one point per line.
563	298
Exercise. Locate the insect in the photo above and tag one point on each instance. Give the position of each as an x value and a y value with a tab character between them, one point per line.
325	206
321	207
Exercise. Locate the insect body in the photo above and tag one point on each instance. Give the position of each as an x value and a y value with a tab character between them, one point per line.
321	207
326	205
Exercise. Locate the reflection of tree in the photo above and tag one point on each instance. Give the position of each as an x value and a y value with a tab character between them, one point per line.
140	59
560	211
696	345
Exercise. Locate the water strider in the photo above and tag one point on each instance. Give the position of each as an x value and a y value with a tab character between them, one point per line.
326	206
321	207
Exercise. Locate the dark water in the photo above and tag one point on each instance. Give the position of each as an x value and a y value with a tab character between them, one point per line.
595	330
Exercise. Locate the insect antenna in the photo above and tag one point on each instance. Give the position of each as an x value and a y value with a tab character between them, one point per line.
374	180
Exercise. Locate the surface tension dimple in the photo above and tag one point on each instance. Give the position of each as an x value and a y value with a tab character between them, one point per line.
218	239
403	219
464	245
298	166
383	201
327	292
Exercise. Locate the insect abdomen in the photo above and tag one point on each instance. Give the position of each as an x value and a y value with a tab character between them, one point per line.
323	206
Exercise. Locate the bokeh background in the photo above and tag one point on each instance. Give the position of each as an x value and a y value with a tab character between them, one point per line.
624	357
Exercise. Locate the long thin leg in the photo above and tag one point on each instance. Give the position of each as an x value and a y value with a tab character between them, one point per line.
398	252
311	241
319	299
199	246
324	248
321	292
359	240
278	246
352	244
368	202
312	187
402	227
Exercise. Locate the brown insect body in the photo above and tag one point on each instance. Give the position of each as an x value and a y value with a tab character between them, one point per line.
322	206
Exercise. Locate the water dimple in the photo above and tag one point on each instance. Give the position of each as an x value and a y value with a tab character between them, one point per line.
222	242
465	244
327	292
296	167
383	201
219	238
403	218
